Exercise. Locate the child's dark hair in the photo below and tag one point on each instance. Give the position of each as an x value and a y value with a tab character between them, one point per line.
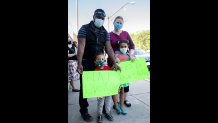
99	53
122	41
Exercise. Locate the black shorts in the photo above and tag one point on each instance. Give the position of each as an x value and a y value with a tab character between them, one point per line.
126	89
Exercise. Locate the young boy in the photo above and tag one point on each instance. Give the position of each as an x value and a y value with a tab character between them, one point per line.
100	65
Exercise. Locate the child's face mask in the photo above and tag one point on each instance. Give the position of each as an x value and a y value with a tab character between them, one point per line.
100	63
123	50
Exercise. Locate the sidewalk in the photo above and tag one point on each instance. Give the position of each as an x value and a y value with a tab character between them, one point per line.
139	112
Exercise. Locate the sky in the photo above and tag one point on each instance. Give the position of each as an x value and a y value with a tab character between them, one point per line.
136	17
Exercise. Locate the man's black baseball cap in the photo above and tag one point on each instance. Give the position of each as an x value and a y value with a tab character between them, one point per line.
99	12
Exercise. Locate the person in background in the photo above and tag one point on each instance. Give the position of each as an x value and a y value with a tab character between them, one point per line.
73	75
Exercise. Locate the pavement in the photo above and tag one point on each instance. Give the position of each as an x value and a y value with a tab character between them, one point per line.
139	112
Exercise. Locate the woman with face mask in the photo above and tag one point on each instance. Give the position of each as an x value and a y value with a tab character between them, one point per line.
116	35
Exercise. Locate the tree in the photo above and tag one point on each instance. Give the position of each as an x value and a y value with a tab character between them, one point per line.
141	40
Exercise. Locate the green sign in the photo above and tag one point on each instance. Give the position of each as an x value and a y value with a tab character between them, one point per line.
100	83
106	83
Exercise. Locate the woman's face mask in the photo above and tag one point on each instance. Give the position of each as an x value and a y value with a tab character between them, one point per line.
117	26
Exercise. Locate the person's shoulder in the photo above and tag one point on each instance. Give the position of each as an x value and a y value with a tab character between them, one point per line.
84	26
125	32
104	30
82	31
111	33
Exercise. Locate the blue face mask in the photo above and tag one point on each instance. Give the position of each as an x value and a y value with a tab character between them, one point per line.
117	26
100	64
98	22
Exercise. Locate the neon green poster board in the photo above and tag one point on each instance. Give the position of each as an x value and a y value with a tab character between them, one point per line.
100	83
106	83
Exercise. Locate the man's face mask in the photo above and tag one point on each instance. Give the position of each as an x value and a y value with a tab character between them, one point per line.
117	26
123	50
98	22
100	63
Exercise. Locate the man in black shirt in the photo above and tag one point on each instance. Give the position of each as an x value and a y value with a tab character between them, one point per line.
92	38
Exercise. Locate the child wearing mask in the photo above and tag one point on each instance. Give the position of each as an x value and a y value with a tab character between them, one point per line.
100	65
121	55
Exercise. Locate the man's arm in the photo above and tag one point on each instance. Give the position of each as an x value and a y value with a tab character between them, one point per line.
81	47
80	52
110	53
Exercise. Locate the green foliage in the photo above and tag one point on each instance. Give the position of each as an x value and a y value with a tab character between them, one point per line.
141	40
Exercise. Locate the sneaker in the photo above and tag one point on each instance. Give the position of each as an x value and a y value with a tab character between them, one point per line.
99	119
109	117
123	111
87	117
127	103
114	105
118	110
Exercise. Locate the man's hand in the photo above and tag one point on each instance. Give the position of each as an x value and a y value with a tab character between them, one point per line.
115	67
80	69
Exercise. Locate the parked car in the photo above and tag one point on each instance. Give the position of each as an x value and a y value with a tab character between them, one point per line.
139	53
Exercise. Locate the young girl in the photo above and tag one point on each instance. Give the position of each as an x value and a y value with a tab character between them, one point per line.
121	56
100	65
